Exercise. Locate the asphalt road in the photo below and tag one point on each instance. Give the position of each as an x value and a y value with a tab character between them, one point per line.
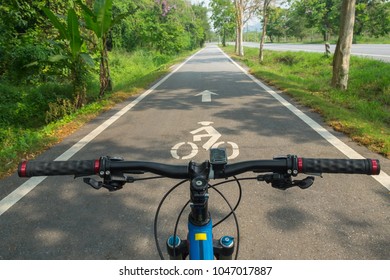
374	51
340	217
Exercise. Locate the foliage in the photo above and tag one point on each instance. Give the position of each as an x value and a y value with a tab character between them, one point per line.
35	50
27	36
362	111
322	14
277	23
100	21
223	18
372	17
24	127
21	41
47	50
168	26
74	55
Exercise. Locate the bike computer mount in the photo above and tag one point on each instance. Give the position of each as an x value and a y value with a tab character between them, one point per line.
218	160
218	156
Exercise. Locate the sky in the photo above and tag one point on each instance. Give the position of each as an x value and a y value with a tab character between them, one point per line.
206	2
253	23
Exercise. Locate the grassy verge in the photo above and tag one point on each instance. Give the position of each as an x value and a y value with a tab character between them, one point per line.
362	112
24	128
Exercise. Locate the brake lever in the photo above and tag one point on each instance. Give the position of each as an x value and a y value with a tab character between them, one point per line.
304	183
93	183
116	182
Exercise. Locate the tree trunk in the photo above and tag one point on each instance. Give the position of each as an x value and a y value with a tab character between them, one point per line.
264	32
80	94
236	45
224	37
105	78
241	40
343	49
240	27
79	83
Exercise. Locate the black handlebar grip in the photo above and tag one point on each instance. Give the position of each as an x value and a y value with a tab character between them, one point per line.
47	168
347	166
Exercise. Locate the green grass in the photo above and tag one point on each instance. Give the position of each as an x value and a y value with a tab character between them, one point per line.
25	111
362	112
318	39
372	40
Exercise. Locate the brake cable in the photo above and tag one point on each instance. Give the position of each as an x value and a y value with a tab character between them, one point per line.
157	214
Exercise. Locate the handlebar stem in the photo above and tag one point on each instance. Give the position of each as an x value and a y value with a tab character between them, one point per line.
199	193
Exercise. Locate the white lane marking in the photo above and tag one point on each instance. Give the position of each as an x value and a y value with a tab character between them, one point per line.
382	178
30	184
18	193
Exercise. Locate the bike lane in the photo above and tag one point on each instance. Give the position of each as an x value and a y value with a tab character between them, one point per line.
68	220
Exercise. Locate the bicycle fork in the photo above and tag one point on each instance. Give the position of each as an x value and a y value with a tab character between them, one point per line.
200	244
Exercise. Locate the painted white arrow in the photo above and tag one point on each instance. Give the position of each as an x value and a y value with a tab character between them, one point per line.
206	95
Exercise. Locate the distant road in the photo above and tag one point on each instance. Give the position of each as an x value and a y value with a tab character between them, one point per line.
375	51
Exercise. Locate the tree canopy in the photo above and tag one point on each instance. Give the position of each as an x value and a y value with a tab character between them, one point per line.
28	38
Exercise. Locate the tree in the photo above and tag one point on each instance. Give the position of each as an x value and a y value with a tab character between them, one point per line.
244	11
239	6
296	25
343	48
277	23
321	14
223	17
264	32
372	17
100	21
162	30
74	52
379	14
23	44
168	26
200	24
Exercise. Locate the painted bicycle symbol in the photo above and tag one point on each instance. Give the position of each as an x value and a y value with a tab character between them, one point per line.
209	132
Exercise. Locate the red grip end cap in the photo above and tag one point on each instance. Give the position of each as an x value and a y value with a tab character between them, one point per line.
23	169
300	165
375	167
97	166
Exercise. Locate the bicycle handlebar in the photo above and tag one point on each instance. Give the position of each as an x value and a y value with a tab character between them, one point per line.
290	164
113	171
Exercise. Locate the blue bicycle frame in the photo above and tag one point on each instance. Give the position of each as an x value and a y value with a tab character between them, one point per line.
200	239
200	244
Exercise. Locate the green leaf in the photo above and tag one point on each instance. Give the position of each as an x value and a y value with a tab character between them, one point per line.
103	12
88	59
57	24
57	57
35	63
119	18
74	33
89	17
